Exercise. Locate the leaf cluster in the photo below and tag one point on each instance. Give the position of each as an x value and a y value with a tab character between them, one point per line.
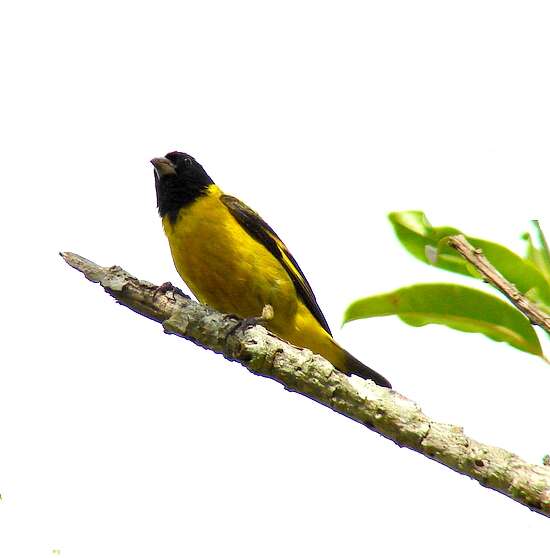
457	306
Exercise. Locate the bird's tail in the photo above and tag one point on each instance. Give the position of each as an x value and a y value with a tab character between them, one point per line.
354	366
321	342
349	364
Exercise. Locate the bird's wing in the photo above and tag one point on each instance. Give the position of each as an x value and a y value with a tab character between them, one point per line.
258	229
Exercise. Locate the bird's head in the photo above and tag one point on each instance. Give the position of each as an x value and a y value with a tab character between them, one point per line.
179	180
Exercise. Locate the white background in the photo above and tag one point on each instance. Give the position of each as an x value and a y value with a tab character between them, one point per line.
117	440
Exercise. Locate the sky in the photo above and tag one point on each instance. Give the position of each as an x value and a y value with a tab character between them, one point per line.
117	440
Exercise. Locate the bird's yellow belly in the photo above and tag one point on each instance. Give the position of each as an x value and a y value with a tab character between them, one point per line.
226	268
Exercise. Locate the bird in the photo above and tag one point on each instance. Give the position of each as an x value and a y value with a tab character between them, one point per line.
233	261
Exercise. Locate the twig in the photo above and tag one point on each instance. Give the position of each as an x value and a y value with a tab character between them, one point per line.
481	263
384	411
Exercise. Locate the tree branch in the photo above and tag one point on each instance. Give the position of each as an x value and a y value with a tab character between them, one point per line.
384	411
481	263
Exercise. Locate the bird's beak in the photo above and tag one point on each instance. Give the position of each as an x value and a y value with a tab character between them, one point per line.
163	166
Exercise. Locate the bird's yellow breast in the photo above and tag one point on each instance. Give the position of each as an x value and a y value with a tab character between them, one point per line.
228	269
223	265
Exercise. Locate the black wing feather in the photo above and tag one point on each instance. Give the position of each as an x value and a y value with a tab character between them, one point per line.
258	229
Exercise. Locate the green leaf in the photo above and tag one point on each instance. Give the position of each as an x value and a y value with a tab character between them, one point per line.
455	306
421	239
538	256
429	244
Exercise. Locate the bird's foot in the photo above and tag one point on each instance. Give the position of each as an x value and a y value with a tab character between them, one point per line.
169	288
246	323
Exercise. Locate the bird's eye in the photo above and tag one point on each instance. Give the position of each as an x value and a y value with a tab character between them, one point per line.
187	163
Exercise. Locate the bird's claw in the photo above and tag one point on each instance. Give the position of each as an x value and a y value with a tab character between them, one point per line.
168	288
246	323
